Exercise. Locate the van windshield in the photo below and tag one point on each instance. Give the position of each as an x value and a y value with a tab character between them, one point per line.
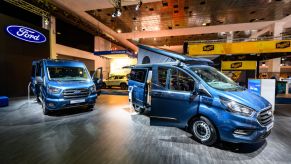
216	79
67	73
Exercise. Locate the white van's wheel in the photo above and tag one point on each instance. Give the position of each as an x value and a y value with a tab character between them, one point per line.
203	130
123	86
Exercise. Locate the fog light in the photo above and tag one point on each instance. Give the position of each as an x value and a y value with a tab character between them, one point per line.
51	104
242	132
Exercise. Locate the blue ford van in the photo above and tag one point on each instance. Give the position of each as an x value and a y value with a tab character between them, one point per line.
59	84
191	94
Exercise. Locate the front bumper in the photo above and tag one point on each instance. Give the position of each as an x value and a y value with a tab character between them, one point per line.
57	104
229	123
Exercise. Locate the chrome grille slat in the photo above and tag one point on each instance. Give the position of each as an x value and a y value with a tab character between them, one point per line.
264	118
71	93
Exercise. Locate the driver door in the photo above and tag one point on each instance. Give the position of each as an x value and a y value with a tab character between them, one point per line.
97	78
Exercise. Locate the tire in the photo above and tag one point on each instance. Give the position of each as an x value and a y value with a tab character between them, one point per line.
44	109
138	109
123	86
203	131
90	107
38	99
104	86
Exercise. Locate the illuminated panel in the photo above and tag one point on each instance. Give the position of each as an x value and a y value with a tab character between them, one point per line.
240	48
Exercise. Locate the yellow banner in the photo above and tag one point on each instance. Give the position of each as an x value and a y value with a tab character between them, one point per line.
238	65
240	48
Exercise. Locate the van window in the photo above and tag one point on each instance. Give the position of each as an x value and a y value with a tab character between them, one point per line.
38	70
180	81
33	71
162	77
138	75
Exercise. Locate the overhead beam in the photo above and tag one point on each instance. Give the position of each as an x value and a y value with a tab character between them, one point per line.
263	31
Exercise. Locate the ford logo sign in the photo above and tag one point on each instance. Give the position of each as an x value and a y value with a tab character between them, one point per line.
26	34
77	92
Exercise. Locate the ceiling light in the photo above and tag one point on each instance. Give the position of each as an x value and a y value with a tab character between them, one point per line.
137	7
116	13
119	30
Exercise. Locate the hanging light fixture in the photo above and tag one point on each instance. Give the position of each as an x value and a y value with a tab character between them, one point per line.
117	5
137	7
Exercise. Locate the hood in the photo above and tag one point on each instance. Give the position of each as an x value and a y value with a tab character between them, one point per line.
246	98
70	84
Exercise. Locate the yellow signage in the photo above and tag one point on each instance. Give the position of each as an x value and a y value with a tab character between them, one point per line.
238	65
240	48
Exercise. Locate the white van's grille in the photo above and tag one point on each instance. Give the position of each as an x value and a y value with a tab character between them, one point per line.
75	93
265	117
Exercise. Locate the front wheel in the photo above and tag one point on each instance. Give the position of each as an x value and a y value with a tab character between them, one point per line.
138	109
123	86
203	131
44	109
104	85
90	107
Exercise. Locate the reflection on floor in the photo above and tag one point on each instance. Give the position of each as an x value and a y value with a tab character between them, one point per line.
113	133
283	99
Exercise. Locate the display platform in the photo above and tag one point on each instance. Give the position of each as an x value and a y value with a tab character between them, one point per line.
4	101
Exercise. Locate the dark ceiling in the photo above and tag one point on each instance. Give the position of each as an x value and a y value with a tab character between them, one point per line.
173	14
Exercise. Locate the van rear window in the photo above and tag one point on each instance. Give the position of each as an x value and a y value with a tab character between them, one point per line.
138	75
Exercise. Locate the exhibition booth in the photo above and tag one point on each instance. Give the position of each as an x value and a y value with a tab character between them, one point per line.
118	60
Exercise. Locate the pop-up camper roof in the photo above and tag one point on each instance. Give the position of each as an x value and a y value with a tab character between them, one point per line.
154	53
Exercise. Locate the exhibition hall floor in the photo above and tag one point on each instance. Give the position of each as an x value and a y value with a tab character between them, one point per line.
112	133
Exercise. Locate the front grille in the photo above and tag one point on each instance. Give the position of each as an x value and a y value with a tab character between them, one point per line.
75	93
265	117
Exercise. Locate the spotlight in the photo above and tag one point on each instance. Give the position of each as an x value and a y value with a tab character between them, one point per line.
138	5
116	13
117	5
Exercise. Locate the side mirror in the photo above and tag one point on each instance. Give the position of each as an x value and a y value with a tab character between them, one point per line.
194	94
203	91
39	80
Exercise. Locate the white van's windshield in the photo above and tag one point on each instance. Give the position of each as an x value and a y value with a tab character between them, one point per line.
216	79
67	73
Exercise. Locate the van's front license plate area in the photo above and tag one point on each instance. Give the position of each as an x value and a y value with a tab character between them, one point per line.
270	126
77	101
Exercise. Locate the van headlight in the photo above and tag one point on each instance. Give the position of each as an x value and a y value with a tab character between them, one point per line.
92	89
237	108
53	90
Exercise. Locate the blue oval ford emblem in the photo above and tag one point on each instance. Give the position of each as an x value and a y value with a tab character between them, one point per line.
26	34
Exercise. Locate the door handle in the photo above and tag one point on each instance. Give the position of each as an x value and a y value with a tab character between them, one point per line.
157	94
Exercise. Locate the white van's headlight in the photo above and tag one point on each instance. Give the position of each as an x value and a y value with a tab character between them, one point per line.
92	89
235	107
53	90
